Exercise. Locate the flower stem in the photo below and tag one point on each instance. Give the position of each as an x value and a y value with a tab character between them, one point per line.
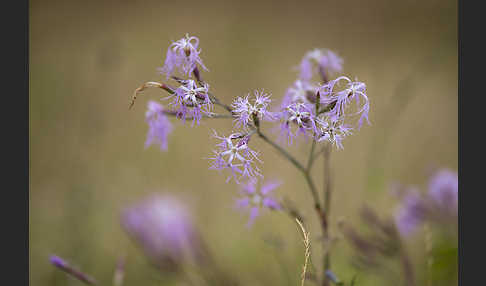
146	85
217	102
311	156
327	207
298	165
174	113
327	186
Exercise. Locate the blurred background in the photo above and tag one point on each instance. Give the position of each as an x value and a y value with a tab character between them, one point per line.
87	156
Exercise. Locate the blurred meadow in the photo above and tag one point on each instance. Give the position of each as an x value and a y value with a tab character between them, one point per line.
87	156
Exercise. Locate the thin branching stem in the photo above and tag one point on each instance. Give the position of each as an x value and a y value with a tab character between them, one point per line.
305	171
311	156
327	207
146	85
174	113
327	178
216	101
327	187
314	157
298	165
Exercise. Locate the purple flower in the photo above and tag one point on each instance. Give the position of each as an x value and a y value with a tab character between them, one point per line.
411	213
439	206
331	62
247	112
300	91
234	153
66	267
333	132
254	200
342	98
192	99
325	61
306	69
443	190
58	261
182	55
301	115
162	226
159	125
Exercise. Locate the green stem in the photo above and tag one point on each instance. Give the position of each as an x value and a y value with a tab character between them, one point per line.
217	102
327	187
311	156
327	207
327	178
299	166
314	157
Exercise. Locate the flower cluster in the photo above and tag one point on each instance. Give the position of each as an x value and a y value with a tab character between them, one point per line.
190	100
320	110
439	204
317	110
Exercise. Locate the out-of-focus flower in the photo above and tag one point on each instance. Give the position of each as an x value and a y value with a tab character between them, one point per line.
411	213
443	189
255	199
325	118
302	116
300	91
439	205
340	100
159	125
234	153
66	267
324	61
192	99
182	55
332	277
246	112
162	226
374	248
